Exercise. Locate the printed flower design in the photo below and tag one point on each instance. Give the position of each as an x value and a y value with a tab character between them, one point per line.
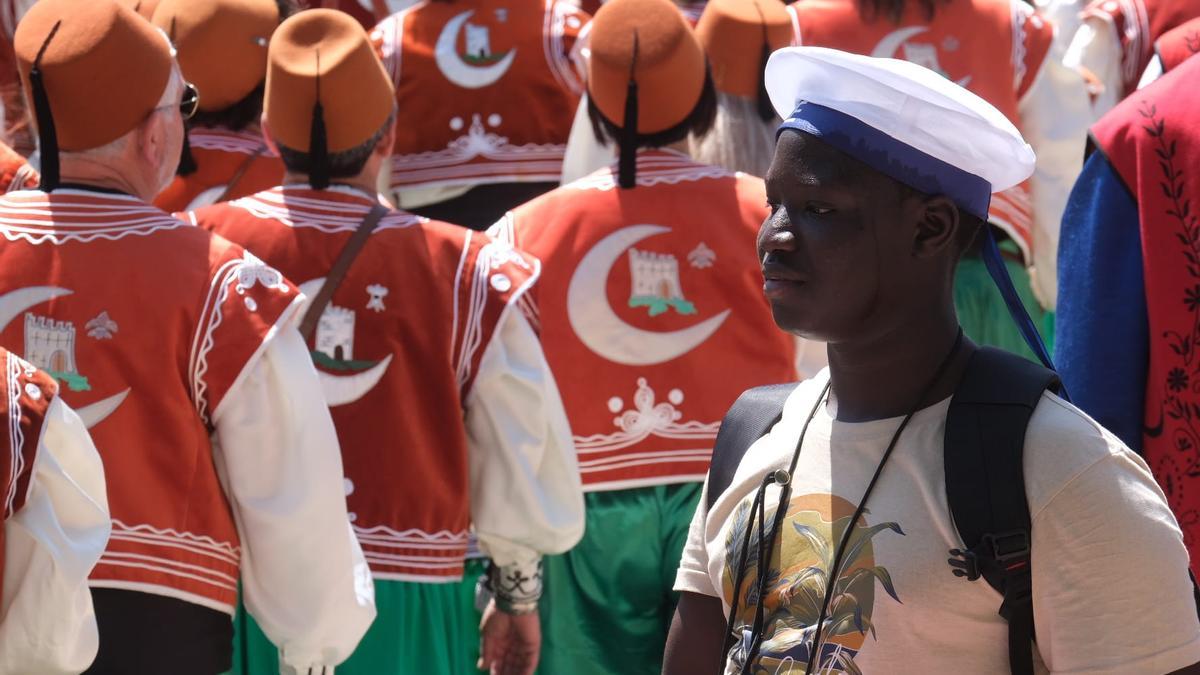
1177	379
1191	298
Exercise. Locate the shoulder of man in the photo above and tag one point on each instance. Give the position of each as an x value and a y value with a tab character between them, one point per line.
1061	443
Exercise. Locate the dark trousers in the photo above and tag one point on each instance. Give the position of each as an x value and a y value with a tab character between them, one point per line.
480	207
146	634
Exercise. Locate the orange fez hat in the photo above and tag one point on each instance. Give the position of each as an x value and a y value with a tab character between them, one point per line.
93	69
143	7
221	45
646	73
728	30
326	89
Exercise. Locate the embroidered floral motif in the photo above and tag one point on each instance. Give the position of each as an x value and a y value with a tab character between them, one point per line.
1179	415
254	271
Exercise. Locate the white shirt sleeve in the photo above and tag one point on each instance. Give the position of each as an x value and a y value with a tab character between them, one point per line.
526	494
304	578
1110	574
1154	70
1055	116
584	154
1097	49
47	624
693	574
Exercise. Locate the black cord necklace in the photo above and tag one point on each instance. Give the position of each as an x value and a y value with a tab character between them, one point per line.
767	542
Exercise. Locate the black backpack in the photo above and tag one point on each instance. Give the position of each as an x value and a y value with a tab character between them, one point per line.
985	480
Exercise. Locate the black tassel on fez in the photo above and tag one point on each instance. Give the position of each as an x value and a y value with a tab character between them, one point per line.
47	134
318	141
627	162
766	111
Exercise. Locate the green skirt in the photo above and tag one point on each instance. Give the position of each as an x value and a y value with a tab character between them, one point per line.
608	602
981	309
420	629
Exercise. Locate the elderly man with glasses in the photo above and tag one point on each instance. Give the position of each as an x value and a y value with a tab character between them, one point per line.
179	350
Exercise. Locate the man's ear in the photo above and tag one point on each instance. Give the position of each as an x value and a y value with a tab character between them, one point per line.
937	226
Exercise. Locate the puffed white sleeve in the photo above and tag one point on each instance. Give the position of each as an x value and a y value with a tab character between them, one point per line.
584	154
1055	116
1096	49
1154	70
526	495
304	578
47	624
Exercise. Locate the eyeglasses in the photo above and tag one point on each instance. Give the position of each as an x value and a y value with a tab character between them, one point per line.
188	104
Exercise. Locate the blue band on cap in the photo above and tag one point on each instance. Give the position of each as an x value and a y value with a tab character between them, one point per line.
893	158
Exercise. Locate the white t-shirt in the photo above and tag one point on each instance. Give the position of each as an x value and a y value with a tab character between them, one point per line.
1110	583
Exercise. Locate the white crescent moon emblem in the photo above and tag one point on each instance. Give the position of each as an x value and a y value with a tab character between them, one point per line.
15	302
95	413
343	389
455	69
599	327
890	44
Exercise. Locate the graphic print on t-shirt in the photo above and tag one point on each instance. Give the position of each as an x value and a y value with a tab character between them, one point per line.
797	579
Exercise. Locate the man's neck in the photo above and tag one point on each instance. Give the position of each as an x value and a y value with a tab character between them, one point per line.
883	376
99	179
357	182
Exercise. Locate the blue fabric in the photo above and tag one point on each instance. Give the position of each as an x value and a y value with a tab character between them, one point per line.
1102	327
891	157
1012	300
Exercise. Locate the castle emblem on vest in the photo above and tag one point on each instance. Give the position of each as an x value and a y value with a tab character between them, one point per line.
922	54
344	379
656	283
476	64
50	345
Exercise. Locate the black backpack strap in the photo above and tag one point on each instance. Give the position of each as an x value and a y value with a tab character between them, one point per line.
751	417
985	484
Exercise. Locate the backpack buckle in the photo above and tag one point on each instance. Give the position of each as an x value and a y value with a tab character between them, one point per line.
1004	553
965	564
1009	549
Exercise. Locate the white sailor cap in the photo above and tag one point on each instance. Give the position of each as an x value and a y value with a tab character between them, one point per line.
901	119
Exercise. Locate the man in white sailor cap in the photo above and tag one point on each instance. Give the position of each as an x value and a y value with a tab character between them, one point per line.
916	448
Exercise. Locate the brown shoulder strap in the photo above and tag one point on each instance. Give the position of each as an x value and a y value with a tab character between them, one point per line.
338	272
237	176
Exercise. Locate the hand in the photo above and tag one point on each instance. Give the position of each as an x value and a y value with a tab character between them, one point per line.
509	644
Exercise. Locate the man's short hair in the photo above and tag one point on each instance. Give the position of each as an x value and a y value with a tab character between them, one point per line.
696	124
236	117
893	10
343	164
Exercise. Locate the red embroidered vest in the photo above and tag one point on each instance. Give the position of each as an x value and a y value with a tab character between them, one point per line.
25	395
1177	44
487	90
652	313
146	322
995	48
1151	139
1138	24
222	157
397	350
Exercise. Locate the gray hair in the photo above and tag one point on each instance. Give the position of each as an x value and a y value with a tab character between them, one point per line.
739	139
